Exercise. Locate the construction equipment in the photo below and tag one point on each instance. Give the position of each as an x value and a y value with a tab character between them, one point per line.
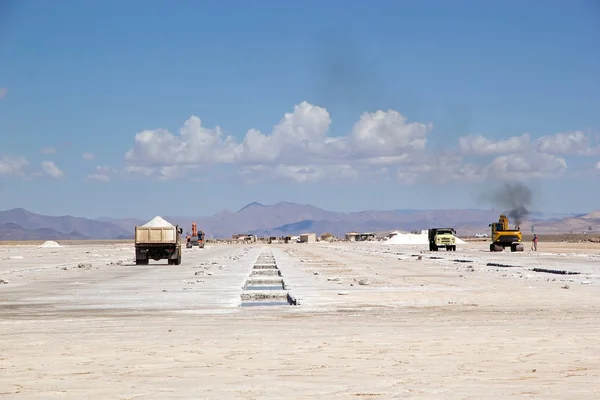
442	237
503	236
196	238
157	243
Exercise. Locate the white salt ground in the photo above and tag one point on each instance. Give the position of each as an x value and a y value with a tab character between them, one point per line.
50	243
157	222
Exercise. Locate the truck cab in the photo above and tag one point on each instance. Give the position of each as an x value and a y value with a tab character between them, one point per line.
442	237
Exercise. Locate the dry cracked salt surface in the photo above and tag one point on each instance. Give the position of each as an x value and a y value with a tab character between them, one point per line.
373	321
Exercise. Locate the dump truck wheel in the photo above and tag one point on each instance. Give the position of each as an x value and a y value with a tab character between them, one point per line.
178	261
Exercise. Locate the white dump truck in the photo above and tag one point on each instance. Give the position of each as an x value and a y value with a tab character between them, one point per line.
158	240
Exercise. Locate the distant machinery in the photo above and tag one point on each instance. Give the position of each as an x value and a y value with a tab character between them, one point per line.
196	238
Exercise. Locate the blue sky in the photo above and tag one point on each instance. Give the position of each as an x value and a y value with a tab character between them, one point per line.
86	77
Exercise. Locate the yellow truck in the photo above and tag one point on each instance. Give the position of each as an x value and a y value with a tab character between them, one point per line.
442	237
158	243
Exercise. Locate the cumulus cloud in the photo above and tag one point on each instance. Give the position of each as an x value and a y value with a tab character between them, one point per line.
479	145
50	169
567	143
88	156
300	148
563	143
13	166
101	174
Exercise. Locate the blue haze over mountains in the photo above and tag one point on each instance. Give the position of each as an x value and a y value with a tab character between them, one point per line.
279	219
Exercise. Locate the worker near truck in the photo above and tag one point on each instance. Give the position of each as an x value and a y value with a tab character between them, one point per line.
534	242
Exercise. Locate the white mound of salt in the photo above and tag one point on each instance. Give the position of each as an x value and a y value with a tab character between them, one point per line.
407	238
413	238
157	222
50	243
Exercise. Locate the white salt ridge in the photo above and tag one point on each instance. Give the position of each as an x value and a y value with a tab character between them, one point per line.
50	243
413	238
157	222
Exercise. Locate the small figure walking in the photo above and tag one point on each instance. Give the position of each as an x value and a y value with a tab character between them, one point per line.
534	242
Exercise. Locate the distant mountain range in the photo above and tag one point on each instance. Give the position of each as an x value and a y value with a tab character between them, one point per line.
283	218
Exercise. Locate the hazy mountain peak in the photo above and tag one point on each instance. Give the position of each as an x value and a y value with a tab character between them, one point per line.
250	205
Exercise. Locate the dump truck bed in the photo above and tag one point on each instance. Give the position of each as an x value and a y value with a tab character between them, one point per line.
155	235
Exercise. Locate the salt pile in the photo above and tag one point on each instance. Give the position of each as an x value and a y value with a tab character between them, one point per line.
408	238
50	243
157	222
413	238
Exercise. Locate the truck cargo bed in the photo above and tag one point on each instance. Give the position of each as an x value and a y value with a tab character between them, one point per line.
155	235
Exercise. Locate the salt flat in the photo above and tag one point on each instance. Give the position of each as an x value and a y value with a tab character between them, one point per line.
373	321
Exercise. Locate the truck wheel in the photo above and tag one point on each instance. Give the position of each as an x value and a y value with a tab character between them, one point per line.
178	260
448	248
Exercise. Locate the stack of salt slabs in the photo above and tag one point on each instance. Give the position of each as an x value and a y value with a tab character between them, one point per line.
157	222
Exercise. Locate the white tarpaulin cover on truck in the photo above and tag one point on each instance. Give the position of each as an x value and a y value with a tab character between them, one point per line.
157	222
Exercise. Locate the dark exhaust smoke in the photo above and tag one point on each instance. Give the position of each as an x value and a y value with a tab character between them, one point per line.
515	200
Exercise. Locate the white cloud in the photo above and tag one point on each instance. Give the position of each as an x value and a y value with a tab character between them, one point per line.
300	149
479	145
13	166
563	143
88	156
98	177
48	150
567	143
50	169
134	171
101	174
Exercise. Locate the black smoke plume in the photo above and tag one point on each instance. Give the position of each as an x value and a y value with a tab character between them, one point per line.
514	199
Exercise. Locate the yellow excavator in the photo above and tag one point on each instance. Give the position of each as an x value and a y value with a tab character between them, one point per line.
503	236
